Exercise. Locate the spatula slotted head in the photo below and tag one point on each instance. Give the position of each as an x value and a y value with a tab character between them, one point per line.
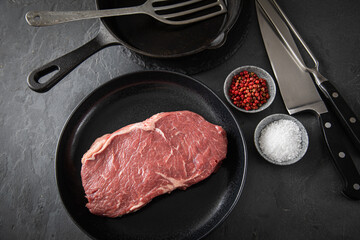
180	12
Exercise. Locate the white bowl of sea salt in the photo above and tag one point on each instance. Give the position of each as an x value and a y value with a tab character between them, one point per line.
281	139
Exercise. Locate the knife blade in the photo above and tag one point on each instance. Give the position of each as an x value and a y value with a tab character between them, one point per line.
299	92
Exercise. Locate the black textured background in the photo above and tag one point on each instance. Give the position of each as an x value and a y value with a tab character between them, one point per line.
301	201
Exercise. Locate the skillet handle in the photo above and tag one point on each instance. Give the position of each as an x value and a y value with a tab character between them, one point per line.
63	65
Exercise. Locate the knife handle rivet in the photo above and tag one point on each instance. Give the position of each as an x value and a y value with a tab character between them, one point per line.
356	186
341	154
328	125
335	94
353	120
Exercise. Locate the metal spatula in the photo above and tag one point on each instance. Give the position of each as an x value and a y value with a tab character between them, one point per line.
169	12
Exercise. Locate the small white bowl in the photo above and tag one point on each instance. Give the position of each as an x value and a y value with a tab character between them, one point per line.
275	117
261	73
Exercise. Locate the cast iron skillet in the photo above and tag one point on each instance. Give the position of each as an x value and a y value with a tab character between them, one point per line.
141	34
131	98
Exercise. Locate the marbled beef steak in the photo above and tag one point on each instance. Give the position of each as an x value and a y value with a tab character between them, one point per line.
123	171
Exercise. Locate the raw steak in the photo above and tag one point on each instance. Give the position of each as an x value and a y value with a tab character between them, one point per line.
123	171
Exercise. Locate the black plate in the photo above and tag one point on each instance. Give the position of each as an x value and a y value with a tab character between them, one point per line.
131	98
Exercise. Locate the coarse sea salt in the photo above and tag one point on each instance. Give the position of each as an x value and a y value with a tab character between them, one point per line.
281	140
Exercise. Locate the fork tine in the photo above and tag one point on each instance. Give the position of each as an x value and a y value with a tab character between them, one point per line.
194	10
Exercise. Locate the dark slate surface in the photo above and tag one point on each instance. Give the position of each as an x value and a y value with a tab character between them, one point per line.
302	201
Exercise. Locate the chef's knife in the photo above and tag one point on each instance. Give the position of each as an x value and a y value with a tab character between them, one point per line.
299	92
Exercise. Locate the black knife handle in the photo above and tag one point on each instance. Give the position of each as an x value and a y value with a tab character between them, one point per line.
343	111
341	157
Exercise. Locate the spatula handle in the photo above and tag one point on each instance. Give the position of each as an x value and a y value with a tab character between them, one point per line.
341	156
343	111
48	18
